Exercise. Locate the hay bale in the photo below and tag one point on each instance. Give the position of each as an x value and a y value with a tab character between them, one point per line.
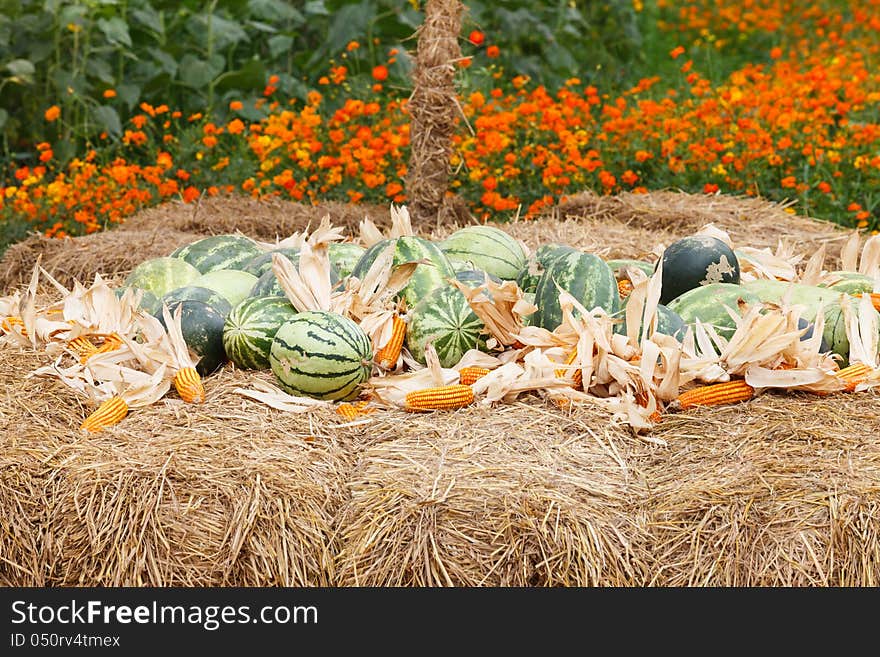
224	493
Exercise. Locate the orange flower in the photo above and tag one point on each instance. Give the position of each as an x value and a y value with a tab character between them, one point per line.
492	52
235	127
352	45
380	73
53	113
109	93
776	52
477	38
676	52
235	105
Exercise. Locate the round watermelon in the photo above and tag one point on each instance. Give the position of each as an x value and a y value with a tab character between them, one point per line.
149	302
260	264
202	328
250	328
475	277
695	261
232	284
444	319
161	275
218	252
487	248
321	354
196	293
707	303
583	275
852	282
620	266
435	270
538	262
344	256
669	322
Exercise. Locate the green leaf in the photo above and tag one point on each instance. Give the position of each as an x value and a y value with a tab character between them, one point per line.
106	117
129	94
225	32
349	24
4	115
22	69
250	76
198	73
279	44
316	8
166	61
275	11
116	30
148	18
100	68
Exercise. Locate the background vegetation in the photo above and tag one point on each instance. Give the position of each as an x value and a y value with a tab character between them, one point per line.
110	105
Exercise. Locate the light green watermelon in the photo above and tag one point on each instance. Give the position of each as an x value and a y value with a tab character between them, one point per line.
218	252
250	328
707	303
344	256
232	284
540	260
322	355
852	282
193	292
161	275
261	263
487	248
444	319
585	276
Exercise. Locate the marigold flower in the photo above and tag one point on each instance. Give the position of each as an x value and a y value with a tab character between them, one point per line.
477	38
52	113
236	105
380	73
676	52
493	52
109	93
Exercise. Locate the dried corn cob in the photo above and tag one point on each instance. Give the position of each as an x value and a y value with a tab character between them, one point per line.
439	398
9	324
716	394
110	412
386	357
189	386
854	375
111	343
352	411
875	298
624	287
577	376
468	375
82	347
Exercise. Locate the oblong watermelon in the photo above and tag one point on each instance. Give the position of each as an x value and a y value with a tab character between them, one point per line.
435	270
444	319
251	327
585	276
196	293
707	303
232	284
538	262
344	256
260	264
852	282
202	328
695	261
218	252
487	248
321	354
161	275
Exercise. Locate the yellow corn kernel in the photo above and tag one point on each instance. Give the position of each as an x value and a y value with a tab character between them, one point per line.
624	287
716	394
469	375
439	398
189	386
110	412
351	411
854	375
577	376
386	357
9	323
82	347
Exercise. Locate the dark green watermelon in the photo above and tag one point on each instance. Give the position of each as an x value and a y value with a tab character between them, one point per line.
694	261
202	328
344	256
261	263
669	322
475	277
196	293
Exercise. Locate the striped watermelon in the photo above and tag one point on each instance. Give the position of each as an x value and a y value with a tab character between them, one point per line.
344	256
852	282
475	277
583	275
618	266
196	293
260	264
202	328
161	275
321	354
218	252
543	257
267	284
444	319
707	303
487	248
149	303
232	284
433	273
251	327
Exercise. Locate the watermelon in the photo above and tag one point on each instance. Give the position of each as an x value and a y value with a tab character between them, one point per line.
149	302
620	266
194	292
251	327
543	257
852	282
583	275
434	272
487	248
261	263
232	284
669	322
444	319
218	252
475	277
202	328
321	354
694	261
267	284
161	275
707	303
344	256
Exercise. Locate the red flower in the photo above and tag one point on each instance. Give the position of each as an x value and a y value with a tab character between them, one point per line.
477	38
492	52
380	73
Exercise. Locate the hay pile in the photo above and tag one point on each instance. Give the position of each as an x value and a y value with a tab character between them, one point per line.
783	490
